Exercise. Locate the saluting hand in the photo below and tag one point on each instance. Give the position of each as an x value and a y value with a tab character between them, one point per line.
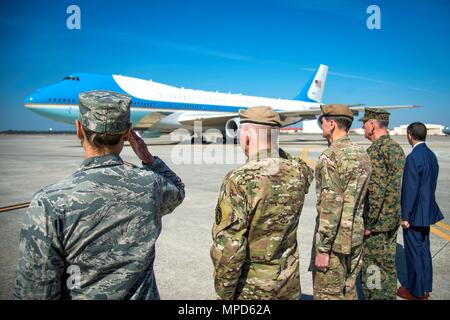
139	147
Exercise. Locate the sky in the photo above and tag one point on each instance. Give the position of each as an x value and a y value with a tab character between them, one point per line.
265	48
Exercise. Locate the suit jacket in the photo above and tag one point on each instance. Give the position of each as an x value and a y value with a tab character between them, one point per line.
418	201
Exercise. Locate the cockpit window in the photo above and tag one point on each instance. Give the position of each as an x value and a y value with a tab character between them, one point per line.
72	78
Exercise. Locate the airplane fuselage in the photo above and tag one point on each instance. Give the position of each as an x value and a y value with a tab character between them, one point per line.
60	101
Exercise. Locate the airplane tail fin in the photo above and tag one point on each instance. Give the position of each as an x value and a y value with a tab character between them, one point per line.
313	90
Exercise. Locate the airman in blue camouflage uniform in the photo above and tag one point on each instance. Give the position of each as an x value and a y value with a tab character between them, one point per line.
92	235
382	209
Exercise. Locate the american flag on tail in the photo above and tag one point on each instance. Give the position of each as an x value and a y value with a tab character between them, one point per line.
318	83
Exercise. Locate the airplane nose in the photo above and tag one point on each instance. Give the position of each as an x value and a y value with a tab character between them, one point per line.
30	98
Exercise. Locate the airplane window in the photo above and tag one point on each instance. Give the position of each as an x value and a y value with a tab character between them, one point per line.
78	79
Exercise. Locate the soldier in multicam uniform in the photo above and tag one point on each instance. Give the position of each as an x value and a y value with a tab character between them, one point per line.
382	209
92	235
342	175
254	251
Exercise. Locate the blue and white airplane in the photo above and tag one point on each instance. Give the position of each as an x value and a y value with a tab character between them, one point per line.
162	108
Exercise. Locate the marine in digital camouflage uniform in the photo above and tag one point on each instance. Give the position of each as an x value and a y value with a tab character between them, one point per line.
382	209
254	251
342	174
92	235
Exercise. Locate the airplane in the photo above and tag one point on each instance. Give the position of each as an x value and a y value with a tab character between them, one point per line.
161	108
446	131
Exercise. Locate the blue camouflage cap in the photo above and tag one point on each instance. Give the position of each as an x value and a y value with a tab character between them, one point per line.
104	111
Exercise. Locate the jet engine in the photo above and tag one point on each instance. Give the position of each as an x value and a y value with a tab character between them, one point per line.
232	128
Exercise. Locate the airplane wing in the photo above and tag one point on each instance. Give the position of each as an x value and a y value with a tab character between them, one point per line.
315	111
149	120
361	107
214	120
218	119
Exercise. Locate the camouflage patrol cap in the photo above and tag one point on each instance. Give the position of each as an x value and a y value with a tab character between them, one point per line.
375	114
260	115
104	111
336	110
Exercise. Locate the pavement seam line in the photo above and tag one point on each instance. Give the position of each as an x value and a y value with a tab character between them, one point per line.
440	250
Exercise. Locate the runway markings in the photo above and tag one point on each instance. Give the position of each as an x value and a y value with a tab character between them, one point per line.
443	225
14	207
440	233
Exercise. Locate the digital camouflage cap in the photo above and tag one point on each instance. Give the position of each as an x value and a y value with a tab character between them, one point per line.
104	111
375	114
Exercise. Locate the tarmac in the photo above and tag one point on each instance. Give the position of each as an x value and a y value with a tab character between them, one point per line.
183	265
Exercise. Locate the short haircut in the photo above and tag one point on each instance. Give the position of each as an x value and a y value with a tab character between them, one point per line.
418	131
383	123
343	123
262	130
101	140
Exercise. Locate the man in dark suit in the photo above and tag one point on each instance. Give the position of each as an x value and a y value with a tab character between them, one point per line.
419	211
